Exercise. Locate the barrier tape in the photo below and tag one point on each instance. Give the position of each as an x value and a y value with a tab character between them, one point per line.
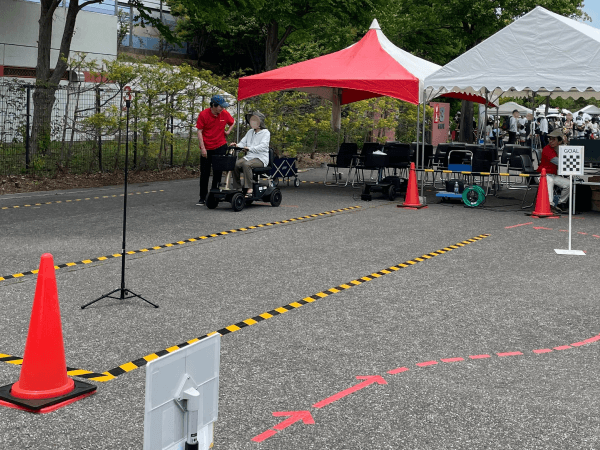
78	200
132	365
173	244
474	173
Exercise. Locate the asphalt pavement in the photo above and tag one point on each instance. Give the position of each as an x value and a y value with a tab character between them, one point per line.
464	327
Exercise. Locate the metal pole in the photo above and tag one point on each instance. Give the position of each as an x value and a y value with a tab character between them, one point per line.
172	106
99	133
135	133
238	122
127	104
570	207
27	143
418	120
423	149
418	123
424	116
485	119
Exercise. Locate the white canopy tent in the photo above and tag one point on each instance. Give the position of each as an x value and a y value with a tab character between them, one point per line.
541	110
589	109
527	59
507	109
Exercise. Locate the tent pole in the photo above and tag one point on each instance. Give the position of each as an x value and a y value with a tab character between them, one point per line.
423	144
423	148
532	128
494	125
238	122
418	123
485	119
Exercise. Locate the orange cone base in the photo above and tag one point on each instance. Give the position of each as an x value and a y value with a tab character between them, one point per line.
46	405
543	216
405	206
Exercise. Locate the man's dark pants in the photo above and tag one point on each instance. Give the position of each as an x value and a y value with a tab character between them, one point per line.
205	165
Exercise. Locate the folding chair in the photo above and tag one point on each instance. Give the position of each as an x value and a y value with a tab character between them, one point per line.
529	173
399	156
368	149
344	159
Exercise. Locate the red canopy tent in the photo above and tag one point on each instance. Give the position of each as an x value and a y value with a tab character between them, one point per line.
373	67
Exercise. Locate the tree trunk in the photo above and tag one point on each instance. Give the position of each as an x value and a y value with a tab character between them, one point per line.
43	95
47	82
43	101
466	122
200	42
274	43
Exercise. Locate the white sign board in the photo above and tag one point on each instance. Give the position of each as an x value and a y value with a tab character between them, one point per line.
570	160
168	379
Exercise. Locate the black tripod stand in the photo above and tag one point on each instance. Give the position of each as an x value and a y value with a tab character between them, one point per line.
124	293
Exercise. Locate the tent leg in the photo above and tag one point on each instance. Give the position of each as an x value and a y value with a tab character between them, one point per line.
238	122
418	123
423	150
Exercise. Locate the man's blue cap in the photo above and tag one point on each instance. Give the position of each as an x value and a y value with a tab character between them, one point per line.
219	100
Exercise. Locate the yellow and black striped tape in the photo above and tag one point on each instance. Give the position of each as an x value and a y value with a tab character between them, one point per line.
132	365
173	244
78	199
471	173
17	361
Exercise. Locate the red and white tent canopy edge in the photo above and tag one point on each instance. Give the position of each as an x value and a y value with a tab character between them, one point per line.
372	67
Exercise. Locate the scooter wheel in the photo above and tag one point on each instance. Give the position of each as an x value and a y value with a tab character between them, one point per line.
238	202
275	197
211	201
296	182
391	193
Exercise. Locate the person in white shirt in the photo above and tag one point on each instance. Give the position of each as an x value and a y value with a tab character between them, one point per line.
513	128
594	129
256	143
543	130
579	127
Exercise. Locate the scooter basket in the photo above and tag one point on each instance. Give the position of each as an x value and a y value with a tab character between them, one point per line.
223	163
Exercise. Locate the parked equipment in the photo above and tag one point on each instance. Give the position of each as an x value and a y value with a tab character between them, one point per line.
263	188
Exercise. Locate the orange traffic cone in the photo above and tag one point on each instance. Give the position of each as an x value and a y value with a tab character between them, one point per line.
412	191
542	201
43	385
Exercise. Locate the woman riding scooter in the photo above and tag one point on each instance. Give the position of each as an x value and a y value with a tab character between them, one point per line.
256	143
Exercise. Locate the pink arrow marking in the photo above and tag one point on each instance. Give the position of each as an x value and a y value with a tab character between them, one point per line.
541	228
520	225
294	416
357	387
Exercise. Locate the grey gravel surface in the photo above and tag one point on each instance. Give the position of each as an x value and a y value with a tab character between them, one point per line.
506	293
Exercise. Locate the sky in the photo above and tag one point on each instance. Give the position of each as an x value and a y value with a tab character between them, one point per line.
592	8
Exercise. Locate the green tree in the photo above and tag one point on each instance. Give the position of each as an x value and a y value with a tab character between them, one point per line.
47	79
268	23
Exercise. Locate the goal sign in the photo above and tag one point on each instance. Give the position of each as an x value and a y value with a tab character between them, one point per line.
570	160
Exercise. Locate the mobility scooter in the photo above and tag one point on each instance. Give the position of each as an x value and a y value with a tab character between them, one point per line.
263	188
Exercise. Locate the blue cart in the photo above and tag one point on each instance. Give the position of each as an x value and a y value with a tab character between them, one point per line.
285	168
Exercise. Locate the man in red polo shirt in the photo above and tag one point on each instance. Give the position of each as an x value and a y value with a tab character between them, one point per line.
212	138
549	162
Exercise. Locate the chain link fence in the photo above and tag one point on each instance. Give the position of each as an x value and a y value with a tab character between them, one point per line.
83	129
